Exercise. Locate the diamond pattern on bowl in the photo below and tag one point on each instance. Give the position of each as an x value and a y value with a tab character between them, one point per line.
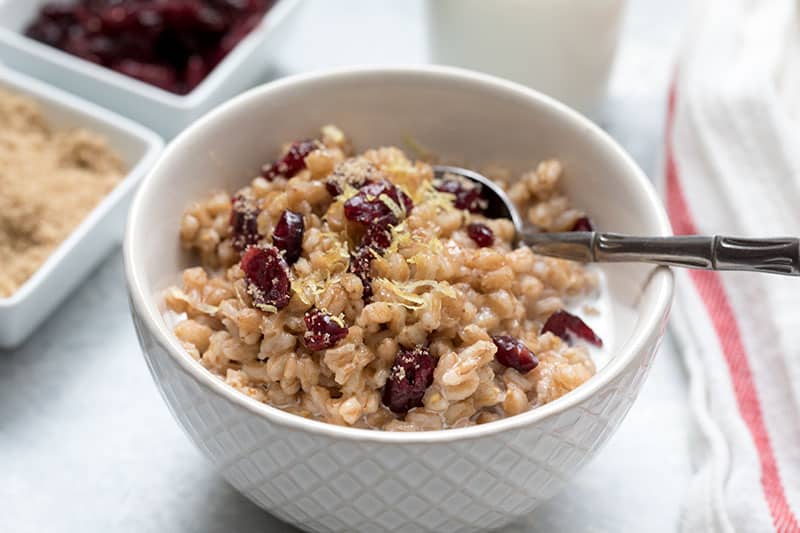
346	486
414	474
367	472
322	484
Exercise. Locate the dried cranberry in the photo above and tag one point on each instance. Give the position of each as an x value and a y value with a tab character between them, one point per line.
119	18
164	77
566	325
80	45
409	378
57	11
267	276
379	202
180	13
292	162
583	224
288	235
511	352
211	20
149	20
481	234
196	71
236	34
232	5
468	195
244	222
323	330
87	21
102	47
378	206
47	32
361	266
378	235
242	6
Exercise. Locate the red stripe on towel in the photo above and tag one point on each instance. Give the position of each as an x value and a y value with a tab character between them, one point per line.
712	292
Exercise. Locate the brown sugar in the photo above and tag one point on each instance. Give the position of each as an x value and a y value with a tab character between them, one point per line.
49	182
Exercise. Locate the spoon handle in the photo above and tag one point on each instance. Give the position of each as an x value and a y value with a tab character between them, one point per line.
774	256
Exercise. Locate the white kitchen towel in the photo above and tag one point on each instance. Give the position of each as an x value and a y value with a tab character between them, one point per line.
732	166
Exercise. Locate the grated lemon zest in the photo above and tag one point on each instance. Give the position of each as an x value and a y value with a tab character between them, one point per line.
306	286
405	290
339	254
268	308
400	237
348	191
393	206
442	200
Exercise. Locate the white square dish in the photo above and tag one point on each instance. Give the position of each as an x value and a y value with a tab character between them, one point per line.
165	112
100	231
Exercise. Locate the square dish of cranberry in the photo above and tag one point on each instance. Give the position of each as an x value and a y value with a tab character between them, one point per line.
162	63
171	44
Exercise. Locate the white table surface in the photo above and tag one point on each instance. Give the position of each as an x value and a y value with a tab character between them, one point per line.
86	444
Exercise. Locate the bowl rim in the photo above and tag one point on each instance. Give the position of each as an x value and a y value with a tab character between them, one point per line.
49	96
103	75
148	315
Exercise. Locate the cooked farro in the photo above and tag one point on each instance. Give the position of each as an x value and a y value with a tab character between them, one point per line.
404	316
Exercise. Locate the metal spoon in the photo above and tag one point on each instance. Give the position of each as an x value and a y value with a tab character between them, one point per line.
715	252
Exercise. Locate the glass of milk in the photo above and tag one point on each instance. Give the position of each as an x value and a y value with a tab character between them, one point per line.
563	48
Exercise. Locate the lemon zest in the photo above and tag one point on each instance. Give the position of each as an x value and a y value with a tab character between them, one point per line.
267	308
308	285
339	254
393	206
406	291
442	200
348	191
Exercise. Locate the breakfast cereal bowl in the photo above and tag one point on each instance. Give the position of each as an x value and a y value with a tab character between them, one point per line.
326	477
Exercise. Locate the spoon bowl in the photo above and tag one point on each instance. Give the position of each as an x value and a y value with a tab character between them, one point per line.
499	204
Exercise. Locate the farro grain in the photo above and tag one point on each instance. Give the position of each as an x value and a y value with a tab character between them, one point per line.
432	287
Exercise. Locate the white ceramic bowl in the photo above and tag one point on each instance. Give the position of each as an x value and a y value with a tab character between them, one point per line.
165	112
328	478
102	229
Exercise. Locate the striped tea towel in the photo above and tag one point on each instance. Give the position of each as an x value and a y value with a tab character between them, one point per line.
733	167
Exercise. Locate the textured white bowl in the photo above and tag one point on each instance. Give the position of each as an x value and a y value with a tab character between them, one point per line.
100	231
165	112
328	478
